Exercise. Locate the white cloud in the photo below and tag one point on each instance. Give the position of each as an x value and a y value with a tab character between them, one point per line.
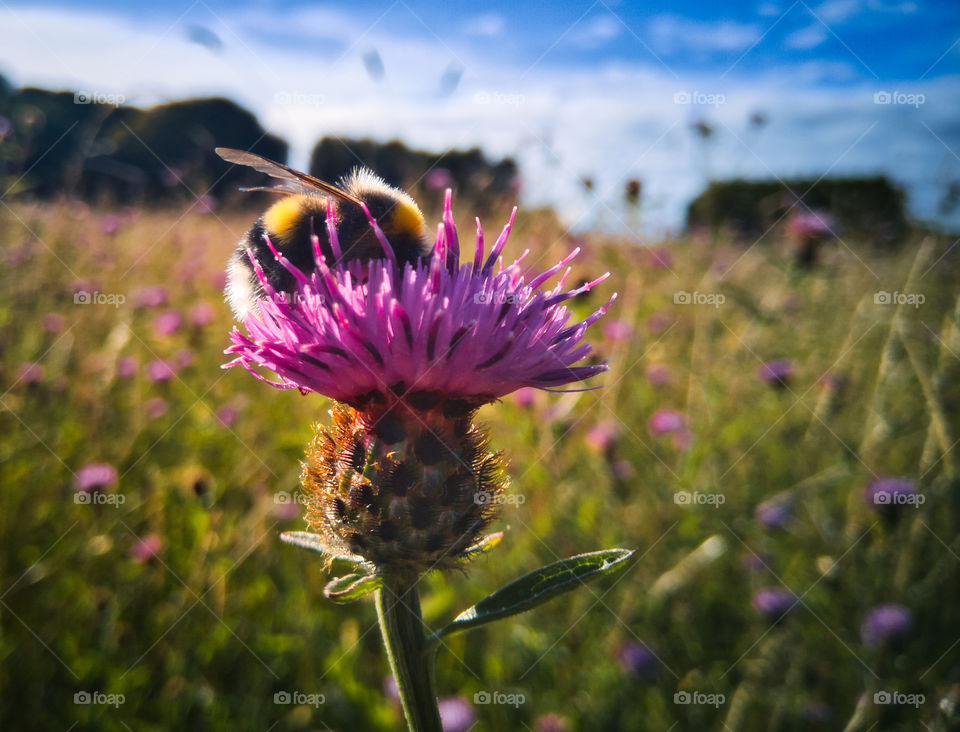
612	121
595	32
806	38
673	33
487	25
838	11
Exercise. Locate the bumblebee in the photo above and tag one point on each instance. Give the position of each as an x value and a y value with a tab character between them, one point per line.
302	212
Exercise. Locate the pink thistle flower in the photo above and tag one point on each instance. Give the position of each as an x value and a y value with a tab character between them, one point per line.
167	323
660	258
30	373
438	179
202	314
525	397
53	322
95	476
807	223
658	322
110	224
155	408
147	547
227	415
161	370
127	367
666	422
658	374
150	297
456	714
602	436
183	358
617	330
372	333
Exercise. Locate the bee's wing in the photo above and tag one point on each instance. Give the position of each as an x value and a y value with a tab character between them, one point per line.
284	189
284	173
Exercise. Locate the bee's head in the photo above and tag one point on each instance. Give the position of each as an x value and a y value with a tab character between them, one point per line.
396	213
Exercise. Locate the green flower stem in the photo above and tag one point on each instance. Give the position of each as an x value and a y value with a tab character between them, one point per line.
398	609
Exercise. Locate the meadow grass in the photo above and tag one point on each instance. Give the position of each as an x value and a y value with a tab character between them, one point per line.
204	624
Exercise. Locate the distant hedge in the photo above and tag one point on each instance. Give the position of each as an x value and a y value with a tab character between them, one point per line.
63	143
59	144
871	206
334	157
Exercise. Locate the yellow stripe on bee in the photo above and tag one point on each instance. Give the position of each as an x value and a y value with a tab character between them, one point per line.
283	216
407	218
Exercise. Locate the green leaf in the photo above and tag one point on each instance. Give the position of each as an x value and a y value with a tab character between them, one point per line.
314	542
351	587
537	587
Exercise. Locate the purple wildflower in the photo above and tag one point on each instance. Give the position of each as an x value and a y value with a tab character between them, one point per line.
155	408
602	436
161	370
202	314
30	373
456	714
773	602
147	547
53	322
807	223
885	623
658	374
658	322
150	297
471	331
95	476
550	722
637	659
183	358
665	422
525	397
167	323
775	512
660	258
777	373
617	330
127	367
438	179
227	415
888	493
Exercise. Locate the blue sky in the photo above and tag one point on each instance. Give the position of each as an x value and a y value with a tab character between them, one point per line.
595	88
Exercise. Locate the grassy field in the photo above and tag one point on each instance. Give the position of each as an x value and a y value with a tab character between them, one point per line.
169	600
